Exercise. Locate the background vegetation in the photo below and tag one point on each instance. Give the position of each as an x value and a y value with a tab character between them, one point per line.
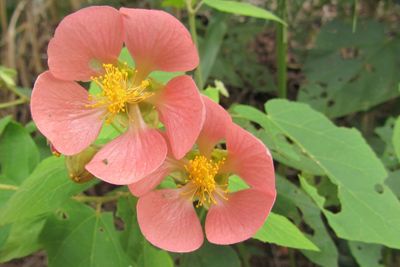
319	89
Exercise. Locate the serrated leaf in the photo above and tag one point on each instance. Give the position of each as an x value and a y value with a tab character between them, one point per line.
243	9
42	192
369	212
76	235
279	230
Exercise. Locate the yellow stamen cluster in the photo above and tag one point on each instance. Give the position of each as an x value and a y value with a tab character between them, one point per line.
118	89
202	172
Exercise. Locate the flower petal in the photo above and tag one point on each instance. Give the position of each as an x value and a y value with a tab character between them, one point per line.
250	159
158	41
130	157
169	221
83	41
216	123
149	182
181	110
238	218
59	109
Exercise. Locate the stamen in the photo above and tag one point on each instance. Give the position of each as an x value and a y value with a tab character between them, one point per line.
118	90
202	172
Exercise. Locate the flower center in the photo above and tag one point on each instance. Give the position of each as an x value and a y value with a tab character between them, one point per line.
202	172
119	89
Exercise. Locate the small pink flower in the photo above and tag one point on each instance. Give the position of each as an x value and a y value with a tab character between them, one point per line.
85	47
167	217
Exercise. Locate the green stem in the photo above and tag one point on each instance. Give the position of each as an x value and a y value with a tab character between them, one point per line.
243	254
192	27
8	187
13	103
100	199
355	15
281	40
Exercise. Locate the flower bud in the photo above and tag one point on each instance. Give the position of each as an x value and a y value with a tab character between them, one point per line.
76	165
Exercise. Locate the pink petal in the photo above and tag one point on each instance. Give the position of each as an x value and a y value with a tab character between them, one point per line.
152	180
158	41
215	125
130	157
83	41
169	221
181	110
238	218
250	159
59	109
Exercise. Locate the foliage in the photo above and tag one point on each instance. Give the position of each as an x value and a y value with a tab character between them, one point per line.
336	148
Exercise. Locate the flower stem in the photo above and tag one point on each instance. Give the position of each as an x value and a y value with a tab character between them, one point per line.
8	187
13	103
192	26
100	199
281	40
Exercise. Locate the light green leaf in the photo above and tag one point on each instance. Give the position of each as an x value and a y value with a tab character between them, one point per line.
243	9
42	192
281	147
279	230
211	256
22	239
78	236
366	255
310	215
3	123
19	154
369	212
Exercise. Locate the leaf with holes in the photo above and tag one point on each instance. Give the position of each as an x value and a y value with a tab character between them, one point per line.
76	235
361	66
369	211
366	255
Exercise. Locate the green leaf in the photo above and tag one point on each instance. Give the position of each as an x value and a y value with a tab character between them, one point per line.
396	138
279	230
3	123
211	256
310	215
76	235
18	153
281	147
369	211
42	192
361	66
22	239
366	255
133	242
211	45
244	9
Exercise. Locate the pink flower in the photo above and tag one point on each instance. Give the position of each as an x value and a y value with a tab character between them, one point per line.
85	47
167	217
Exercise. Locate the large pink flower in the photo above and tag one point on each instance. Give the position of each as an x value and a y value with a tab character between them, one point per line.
168	218
85	47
